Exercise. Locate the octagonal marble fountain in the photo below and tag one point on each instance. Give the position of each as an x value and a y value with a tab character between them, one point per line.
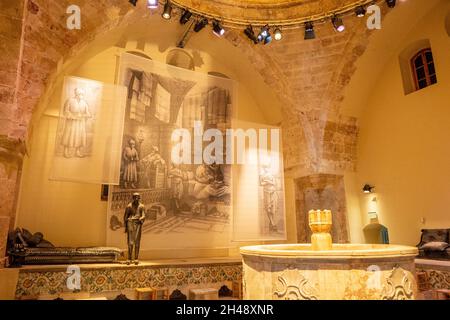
326	271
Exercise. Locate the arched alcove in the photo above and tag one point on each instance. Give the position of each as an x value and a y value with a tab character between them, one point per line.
180	58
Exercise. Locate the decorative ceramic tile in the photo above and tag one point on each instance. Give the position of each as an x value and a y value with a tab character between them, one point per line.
33	283
439	279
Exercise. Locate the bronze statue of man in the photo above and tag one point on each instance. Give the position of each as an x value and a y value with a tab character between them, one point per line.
134	219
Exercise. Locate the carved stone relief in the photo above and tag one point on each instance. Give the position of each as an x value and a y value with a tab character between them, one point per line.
294	286
398	286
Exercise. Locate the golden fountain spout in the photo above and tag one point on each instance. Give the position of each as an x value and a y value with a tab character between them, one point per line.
320	223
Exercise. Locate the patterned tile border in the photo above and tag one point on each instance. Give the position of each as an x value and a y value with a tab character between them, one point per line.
39	282
439	279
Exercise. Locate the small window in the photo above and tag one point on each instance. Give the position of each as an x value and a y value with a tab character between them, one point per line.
423	69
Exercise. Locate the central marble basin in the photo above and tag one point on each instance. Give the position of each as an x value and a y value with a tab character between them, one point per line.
347	271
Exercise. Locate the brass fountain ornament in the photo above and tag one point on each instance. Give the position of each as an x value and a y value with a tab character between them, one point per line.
320	223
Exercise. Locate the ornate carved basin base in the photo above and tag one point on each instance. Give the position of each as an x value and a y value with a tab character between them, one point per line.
348	271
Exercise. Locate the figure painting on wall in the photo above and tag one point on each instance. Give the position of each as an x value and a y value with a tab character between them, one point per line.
133	220
81	102
270	197
153	166
89	135
130	159
76	114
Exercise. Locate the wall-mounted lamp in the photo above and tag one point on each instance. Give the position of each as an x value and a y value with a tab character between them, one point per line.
368	188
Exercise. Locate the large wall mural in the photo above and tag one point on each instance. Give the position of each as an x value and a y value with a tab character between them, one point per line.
188	205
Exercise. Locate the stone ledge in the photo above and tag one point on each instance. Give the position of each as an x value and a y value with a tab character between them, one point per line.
166	263
428	264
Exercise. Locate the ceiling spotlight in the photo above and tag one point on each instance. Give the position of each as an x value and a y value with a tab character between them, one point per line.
185	17
152	4
360	11
251	34
391	3
368	188
277	34
167	13
217	29
133	2
200	25
309	31
263	34
338	24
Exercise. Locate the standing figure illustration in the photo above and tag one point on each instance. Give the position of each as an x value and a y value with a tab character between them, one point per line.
268	182
176	177
152	166
76	114
131	159
134	219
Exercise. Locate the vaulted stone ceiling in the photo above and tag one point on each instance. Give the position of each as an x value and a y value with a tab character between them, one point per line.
267	10
308	76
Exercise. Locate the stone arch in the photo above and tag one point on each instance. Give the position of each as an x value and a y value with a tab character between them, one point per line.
297	131
80	44
47	47
59	57
263	64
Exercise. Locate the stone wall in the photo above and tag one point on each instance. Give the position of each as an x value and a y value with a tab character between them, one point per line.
321	192
339	144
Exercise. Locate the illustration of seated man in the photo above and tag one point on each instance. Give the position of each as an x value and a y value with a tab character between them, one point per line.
154	169
207	186
209	182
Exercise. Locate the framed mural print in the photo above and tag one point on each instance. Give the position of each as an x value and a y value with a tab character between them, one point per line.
188	205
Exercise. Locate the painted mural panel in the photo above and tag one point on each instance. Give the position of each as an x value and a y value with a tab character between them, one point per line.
259	211
188	205
89	133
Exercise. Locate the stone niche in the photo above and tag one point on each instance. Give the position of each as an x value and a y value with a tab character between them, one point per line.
321	191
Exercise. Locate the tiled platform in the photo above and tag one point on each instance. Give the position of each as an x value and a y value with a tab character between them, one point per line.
36	282
109	280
